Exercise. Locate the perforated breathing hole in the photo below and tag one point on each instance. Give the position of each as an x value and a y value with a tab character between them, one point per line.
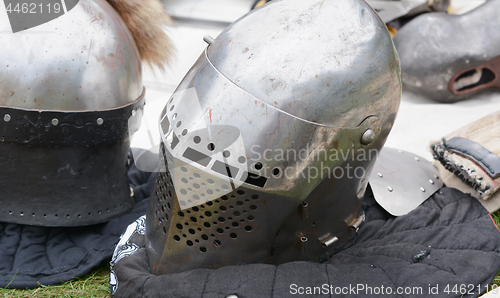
163	196
206	225
212	219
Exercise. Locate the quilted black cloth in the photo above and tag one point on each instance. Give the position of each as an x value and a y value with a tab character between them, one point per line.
32	256
449	240
447	247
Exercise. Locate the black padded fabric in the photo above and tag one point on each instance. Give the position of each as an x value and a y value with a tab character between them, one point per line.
32	256
447	245
449	240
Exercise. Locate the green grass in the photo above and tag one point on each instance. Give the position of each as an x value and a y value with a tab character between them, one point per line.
93	285
496	218
96	284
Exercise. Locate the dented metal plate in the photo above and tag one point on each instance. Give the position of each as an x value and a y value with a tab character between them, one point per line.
389	10
401	181
449	58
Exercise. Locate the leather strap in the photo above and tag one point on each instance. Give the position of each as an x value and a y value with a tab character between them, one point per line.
68	128
488	161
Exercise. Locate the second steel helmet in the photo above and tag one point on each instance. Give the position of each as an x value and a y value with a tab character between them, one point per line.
70	97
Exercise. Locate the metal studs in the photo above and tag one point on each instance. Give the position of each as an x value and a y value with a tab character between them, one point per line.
99	121
232	296
390	189
436	176
303	210
329	241
303	244
422	189
55	121
6	118
208	39
355	225
417	159
368	137
380	175
431	181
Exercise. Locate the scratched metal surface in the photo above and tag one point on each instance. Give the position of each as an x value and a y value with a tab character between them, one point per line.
420	120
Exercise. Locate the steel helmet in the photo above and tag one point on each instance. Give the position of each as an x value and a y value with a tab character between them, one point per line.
70	96
268	142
